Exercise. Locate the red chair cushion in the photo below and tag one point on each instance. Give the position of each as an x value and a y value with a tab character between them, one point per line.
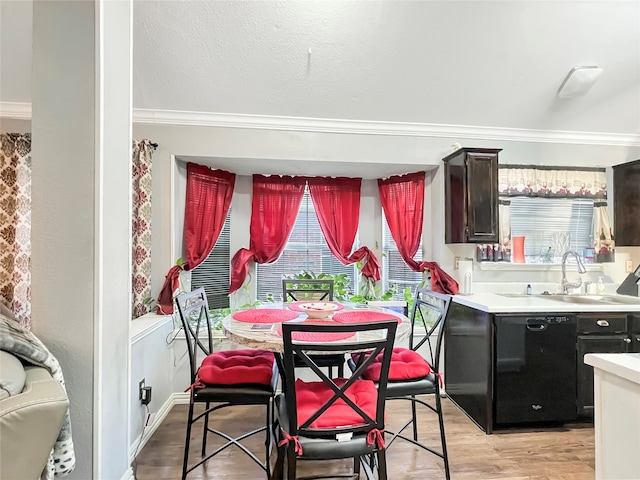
235	367
405	365
312	395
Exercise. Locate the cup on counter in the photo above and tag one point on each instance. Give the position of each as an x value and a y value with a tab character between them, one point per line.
517	249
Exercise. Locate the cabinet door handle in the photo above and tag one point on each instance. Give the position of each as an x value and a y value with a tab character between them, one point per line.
602	323
627	340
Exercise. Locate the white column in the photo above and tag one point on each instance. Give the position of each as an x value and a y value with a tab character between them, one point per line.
81	220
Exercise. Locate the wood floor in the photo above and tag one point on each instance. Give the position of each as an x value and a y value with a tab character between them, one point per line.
563	453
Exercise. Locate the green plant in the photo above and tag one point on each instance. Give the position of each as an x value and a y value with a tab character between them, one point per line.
370	289
340	282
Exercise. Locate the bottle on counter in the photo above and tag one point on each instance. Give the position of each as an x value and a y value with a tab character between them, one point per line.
529	290
601	286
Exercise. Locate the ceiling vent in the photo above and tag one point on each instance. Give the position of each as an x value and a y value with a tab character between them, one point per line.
579	81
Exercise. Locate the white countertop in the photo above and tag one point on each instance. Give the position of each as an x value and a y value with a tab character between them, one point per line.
624	365
496	303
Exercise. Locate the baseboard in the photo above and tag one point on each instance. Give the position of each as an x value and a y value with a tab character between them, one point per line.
128	475
149	430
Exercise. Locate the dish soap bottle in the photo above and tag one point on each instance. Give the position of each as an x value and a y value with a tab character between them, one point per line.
601	285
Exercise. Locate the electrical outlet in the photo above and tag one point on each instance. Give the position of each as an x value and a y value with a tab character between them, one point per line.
146	396
141	386
456	263
629	266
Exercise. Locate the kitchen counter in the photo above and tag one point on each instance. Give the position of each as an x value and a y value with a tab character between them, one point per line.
617	414
497	303
502	351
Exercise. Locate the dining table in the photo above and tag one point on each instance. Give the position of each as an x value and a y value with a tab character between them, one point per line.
259	327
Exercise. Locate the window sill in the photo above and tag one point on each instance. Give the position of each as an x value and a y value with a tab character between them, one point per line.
539	267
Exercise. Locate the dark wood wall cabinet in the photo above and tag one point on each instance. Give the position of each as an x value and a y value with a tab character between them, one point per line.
471	195
626	203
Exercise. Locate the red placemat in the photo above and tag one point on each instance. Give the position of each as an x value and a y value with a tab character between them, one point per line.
264	315
295	306
318	336
363	316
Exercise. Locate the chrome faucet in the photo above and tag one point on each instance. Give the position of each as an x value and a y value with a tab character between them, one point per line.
581	269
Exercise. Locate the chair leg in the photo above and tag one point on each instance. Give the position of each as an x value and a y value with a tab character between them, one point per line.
382	465
291	463
341	370
187	442
356	466
278	469
205	431
445	456
414	418
267	441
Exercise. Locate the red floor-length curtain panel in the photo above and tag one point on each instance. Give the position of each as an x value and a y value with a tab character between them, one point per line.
274	208
207	203
402	199
337	205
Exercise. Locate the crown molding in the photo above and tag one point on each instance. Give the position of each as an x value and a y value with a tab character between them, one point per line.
18	111
355	127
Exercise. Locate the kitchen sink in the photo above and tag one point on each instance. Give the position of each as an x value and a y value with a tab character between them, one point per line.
584	299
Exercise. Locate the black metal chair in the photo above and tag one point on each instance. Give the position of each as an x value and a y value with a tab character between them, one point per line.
311	290
226	379
412	376
314	291
333	418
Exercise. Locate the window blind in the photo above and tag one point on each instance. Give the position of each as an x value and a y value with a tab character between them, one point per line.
395	271
306	250
545	222
213	273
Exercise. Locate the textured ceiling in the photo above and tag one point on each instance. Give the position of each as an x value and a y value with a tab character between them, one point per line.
475	63
478	63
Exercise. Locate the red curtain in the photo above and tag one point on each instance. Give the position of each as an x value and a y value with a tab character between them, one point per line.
275	204
207	203
402	199
337	205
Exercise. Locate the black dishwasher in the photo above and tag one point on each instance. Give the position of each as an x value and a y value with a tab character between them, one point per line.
535	368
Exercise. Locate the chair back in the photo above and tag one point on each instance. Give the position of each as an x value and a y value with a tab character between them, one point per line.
428	315
194	315
312	290
375	337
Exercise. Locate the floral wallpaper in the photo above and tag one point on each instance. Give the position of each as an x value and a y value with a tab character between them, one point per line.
141	228
15	224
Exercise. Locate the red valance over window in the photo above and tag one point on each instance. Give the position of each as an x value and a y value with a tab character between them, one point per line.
402	199
337	205
275	204
207	203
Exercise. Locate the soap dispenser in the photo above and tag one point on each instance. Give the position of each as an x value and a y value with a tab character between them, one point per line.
601	286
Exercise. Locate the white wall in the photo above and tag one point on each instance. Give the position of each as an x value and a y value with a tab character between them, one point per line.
365	150
10	125
152	359
81	218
